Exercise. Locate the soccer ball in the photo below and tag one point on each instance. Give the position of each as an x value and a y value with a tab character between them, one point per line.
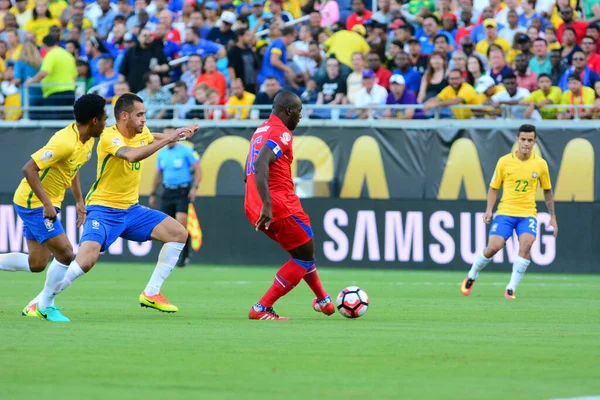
352	302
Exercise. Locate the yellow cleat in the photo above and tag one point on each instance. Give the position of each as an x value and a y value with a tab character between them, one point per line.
157	302
29	311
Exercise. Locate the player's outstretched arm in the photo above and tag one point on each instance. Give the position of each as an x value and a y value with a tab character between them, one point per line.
266	157
549	198
491	201
136	154
32	174
80	205
185	133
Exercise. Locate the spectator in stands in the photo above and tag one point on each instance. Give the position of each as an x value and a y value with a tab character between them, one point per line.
266	97
457	92
525	78
212	99
468	46
14	44
586	75
540	63
194	45
345	43
106	75
169	48
275	59
513	28
529	13
194	69
558	67
593	30
569	45
11	94
354	80
360	15
279	15
371	94
120	89
182	101
382	75
475	70
223	33
499	68
239	97
212	77
172	35
94	49
41	21
74	48
140	59
467	26
533	33
491	37
155	97
592	59
441	45
400	95
332	91
426	35
486	88
511	96
478	33
550	36
243	61
58	68
412	78
259	16
22	12
577	94
330	12
383	14
309	96
435	79
449	24
459	62
106	20
545	95
579	27
417	60
27	66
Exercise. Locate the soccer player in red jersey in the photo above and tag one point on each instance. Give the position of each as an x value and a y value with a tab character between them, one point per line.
272	207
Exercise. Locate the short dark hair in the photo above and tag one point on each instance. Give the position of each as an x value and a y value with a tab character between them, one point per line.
181	84
569	28
510	75
50	40
288	30
238	33
544	75
432	16
595	27
440	35
89	106
126	102
527	128
541	40
586	37
271	77
409	28
147	75
74	43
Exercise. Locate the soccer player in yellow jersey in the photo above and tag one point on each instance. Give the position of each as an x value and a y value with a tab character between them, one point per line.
112	203
50	171
518	174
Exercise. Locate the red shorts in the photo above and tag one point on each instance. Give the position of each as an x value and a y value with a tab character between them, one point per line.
291	232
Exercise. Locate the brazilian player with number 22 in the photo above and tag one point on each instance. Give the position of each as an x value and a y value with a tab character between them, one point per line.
518	174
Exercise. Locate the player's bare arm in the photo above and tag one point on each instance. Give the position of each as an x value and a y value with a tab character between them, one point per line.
261	175
132	155
549	199
491	201
186	132
80	205
32	174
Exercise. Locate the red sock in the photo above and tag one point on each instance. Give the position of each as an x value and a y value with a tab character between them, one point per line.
286	279
312	279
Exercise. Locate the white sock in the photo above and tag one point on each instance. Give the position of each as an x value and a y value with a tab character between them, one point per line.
169	254
519	267
54	276
480	263
14	262
47	296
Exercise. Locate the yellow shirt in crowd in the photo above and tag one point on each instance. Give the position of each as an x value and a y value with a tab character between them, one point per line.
554	95
246	100
466	93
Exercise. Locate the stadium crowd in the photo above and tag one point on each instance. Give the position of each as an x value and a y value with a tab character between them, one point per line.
516	55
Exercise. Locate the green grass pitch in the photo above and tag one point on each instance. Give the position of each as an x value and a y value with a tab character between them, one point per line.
420	339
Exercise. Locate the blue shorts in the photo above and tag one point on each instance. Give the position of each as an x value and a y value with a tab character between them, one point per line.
504	226
105	225
36	227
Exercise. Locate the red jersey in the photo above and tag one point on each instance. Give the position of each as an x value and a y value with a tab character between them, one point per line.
274	134
354	19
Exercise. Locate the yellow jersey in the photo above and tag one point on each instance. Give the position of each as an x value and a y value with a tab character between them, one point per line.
246	100
519	182
466	93
117	181
58	161
554	95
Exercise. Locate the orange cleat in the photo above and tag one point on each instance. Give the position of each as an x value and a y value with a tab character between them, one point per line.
325	306
509	294
268	315
466	286
158	302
